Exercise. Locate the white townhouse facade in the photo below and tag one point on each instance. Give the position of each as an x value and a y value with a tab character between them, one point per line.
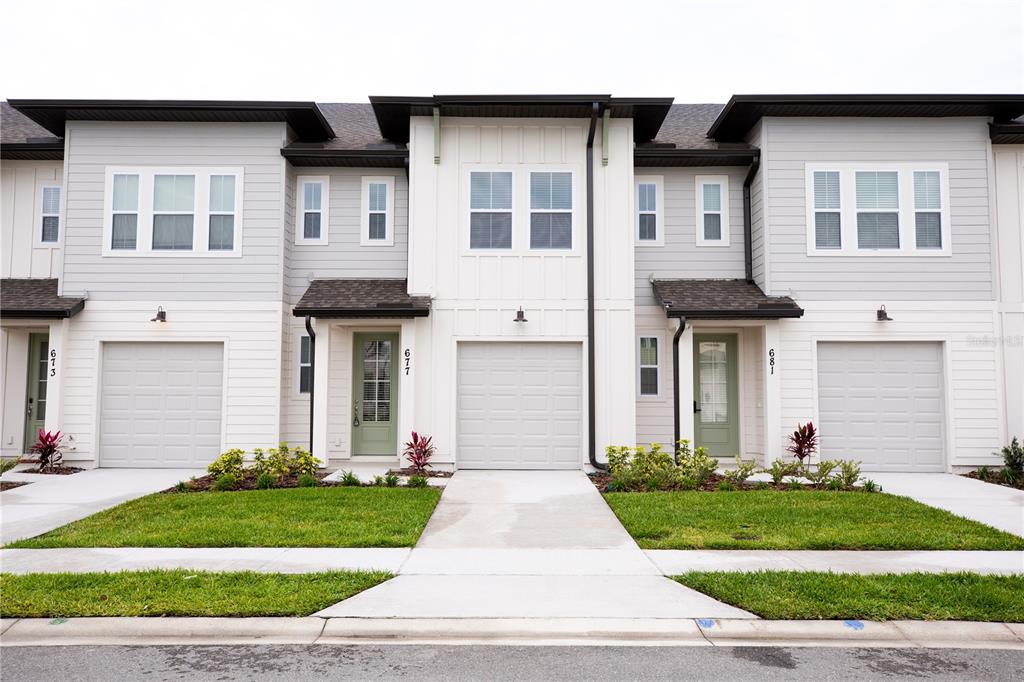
528	279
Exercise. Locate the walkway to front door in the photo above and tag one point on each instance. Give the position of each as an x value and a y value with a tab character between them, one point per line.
528	544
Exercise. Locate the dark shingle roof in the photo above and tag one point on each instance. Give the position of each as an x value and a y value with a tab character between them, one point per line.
355	127
361	298
36	298
686	126
15	127
721	299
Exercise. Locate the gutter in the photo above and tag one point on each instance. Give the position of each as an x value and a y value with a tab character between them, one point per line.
312	377
595	112
748	247
675	387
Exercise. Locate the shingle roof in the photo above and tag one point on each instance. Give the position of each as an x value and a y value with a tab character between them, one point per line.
686	126
36	298
15	127
355	126
721	299
361	298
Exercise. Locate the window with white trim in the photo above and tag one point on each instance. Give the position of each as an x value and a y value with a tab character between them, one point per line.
377	211
490	210
174	208
878	209
222	213
649	210
550	210
712	210
125	216
49	232
927	210
305	379
648	371
311	209
828	232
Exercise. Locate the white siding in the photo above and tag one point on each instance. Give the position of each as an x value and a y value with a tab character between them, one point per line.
21	183
1009	191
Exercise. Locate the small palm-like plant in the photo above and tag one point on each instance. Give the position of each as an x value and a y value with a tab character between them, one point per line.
419	451
49	449
803	442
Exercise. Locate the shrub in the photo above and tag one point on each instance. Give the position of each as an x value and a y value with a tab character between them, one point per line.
260	464
417	482
641	469
779	470
308	481
228	463
794	484
49	449
725	486
265	481
7	464
738	476
761	485
848	474
871	487
822	472
803	442
983	473
378	481
349	478
279	461
391	480
226	482
1013	460
303	463
697	467
181	487
419	451
835	483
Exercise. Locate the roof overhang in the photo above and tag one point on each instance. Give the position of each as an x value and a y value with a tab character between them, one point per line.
36	299
300	155
360	298
665	157
1006	133
743	111
304	118
32	151
721	299
393	113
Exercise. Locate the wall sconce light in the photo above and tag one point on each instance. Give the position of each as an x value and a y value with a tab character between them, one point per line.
161	315
520	316
883	316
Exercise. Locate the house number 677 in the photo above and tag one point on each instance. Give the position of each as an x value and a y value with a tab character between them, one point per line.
408	360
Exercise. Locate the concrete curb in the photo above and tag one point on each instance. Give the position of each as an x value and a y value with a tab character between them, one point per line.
523	631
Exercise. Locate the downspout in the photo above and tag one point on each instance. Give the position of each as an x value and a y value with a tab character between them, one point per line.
748	229
312	376
675	386
595	112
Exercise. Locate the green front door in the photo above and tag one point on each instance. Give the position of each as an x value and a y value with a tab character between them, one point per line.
35	403
374	394
716	419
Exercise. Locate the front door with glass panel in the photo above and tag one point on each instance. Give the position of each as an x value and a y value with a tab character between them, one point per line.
715	389
35	402
374	394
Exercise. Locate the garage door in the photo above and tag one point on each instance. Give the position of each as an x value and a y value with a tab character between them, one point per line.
882	404
520	406
160	404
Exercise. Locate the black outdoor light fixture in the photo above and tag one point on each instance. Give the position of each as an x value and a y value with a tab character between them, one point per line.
161	314
883	316
520	316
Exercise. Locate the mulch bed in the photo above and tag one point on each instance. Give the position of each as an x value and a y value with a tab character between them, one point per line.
58	471
7	485
429	473
602	478
247	481
995	479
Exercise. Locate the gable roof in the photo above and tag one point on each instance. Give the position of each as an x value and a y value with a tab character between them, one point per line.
22	138
373	298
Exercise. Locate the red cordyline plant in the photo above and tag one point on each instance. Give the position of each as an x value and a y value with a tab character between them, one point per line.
48	448
803	442
419	451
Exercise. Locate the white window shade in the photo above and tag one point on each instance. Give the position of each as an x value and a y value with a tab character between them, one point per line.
877	190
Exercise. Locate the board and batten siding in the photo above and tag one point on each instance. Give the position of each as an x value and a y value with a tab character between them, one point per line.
962	143
21	219
93	146
680	257
1009	190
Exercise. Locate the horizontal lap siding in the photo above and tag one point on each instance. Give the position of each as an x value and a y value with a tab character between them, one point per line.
961	143
654	418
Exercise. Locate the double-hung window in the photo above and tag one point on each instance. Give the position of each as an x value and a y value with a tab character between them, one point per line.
125	215
222	213
550	210
828	233
878	209
712	210
305	364
312	206
927	209
649	202
377	209
648	370
50	227
174	206
490	210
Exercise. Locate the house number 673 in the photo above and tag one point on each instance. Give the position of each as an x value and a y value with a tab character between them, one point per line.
408	360
771	361
53	362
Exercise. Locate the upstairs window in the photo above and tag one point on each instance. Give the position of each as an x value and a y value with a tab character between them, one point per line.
50	228
648	371
712	210
927	209
878	205
828	233
377	222
305	364
311	219
174	205
222	212
490	210
125	218
649	210
550	210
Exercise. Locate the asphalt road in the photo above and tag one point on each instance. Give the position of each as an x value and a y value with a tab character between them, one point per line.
476	663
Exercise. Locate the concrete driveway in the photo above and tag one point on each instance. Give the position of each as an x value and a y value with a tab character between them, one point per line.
991	504
50	501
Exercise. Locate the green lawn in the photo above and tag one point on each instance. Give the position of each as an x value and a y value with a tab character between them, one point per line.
784	595
178	593
295	517
771	519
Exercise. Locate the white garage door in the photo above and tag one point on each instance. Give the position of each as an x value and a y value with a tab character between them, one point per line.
520	406
882	404
160	404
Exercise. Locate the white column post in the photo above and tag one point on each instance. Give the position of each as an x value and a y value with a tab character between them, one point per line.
57	342
685	371
321	372
772	393
407	362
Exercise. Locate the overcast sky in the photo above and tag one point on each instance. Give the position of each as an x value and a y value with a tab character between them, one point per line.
695	51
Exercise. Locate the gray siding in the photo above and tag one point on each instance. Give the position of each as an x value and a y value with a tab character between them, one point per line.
756	138
680	257
343	256
960	142
94	146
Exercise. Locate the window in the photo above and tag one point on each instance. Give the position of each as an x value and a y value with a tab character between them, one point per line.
174	202
377	211
827	216
927	210
550	210
311	225
712	210
125	218
50	228
305	364
490	210
649	209
222	212
878	203
648	372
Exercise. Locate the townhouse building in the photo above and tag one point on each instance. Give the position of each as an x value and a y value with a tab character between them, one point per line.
528	279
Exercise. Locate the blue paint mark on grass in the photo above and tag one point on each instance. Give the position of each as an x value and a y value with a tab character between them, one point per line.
854	624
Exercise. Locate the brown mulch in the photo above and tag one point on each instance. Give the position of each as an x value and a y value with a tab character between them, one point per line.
429	473
7	485
61	470
247	481
601	479
996	479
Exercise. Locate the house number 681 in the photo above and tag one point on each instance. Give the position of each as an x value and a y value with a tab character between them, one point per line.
771	361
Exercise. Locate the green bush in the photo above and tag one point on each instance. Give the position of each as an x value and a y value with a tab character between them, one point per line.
302	462
640	468
779	470
378	481
1013	460
697	467
228	463
984	473
350	479
725	486
848	474
181	487
7	464
417	482
391	480
871	487
265	481
738	476
794	484
226	482
308	481
821	473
